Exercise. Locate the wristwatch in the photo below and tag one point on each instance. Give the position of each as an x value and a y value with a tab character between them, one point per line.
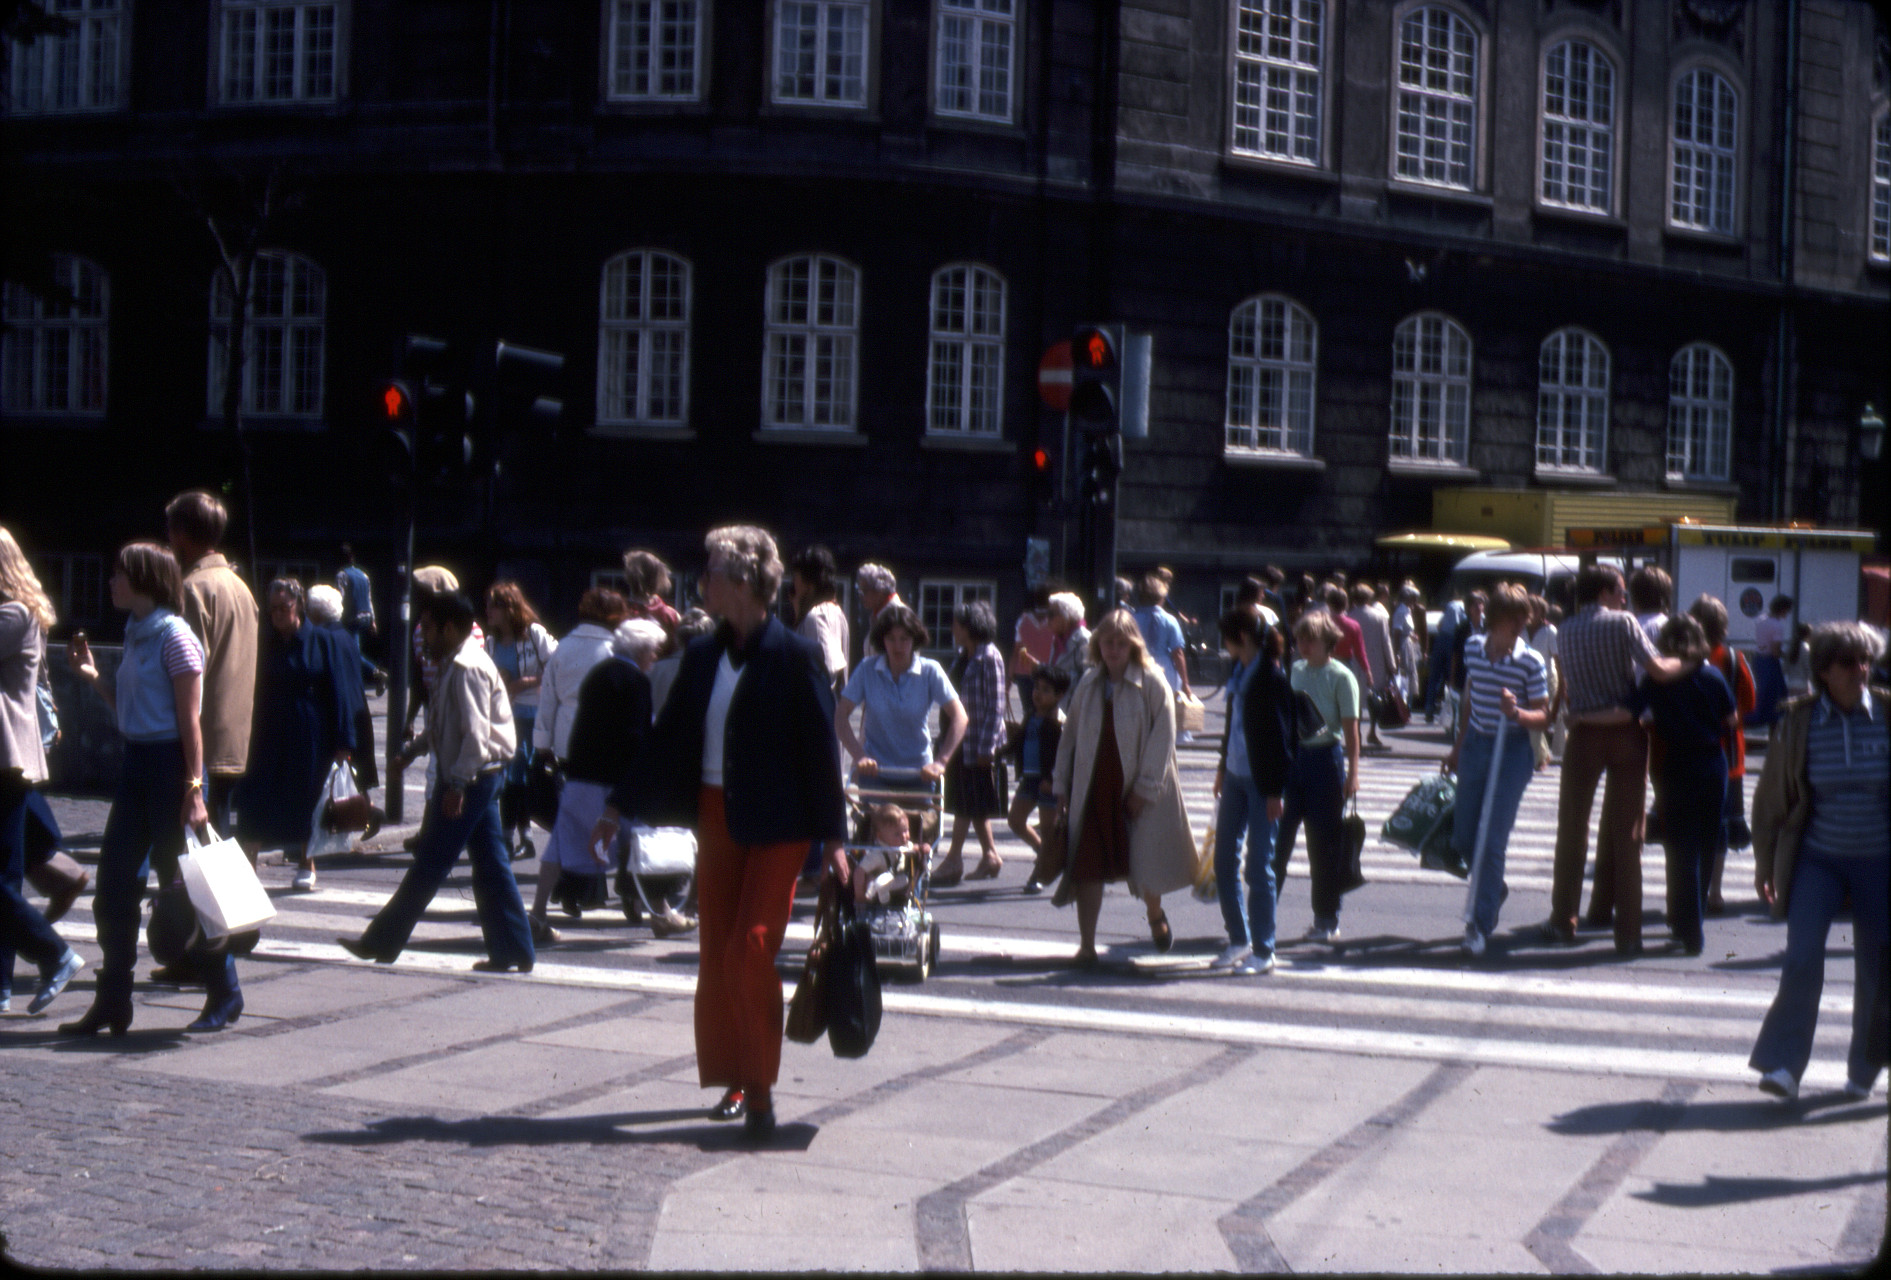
193	784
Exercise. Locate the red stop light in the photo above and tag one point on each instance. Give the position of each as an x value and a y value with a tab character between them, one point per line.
397	403
1041	461
1092	351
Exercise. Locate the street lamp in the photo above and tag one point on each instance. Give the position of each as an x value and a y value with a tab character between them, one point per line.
1870	434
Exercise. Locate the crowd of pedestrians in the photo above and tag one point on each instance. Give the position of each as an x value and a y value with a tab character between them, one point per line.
745	719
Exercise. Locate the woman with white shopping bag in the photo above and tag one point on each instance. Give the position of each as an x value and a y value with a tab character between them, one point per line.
1506	691
307	686
156	697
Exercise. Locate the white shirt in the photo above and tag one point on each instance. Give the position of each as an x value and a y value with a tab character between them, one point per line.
717	719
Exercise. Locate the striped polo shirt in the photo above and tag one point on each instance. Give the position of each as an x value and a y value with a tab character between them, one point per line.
1522	671
1848	764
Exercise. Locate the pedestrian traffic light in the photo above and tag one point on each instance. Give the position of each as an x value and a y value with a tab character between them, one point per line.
1096	377
1100	469
1041	482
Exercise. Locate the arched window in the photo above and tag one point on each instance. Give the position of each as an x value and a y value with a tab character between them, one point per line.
1572	403
1578	127
1881	188
282	365
1437	99
813	328
1700	414
53	349
1706	135
1271	361
1431	390
1277	67
643	339
966	360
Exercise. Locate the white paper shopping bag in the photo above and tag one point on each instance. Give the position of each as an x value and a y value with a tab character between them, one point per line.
223	886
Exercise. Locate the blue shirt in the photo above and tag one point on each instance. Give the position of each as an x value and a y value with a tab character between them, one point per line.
895	730
1691	713
1522	671
357	602
1453	617
1162	634
1031	748
1848	766
158	647
1238	766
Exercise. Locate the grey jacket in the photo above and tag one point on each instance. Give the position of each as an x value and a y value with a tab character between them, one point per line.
22	650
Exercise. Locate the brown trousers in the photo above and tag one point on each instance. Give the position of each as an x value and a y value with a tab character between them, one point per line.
1616	755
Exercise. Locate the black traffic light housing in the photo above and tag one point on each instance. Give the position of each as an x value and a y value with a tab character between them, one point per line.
1096	378
1041	474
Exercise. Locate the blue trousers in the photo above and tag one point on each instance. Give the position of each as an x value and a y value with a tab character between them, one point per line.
1315	795
1243	811
145	830
22	927
1694	821
1818	890
1435	671
495	893
1480	769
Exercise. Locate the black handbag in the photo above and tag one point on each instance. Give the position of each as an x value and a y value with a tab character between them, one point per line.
544	786
851	977
176	939
1352	832
1307	720
807	1012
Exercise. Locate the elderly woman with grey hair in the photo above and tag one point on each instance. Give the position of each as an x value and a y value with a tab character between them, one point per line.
1821	832
603	751
974	790
1070	643
744	752
326	607
878	592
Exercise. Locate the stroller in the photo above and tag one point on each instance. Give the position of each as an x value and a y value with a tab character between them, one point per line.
905	934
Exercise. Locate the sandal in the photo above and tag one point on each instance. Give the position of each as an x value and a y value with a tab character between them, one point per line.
1163	935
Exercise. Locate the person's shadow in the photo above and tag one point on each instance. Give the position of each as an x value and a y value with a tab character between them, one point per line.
633	1127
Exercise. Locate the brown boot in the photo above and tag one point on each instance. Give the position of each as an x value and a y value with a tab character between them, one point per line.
62	880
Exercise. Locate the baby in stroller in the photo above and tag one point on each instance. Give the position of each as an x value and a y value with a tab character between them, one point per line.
880	867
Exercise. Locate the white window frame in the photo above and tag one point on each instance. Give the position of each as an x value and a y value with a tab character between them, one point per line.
830	84
298	388
965	352
659	342
54	357
1704	177
81	70
797	340
1576	127
76	583
317	49
1272	384
1700	417
947	594
1572	415
1425	113
986	90
644	32
1427	386
1878	241
1277	105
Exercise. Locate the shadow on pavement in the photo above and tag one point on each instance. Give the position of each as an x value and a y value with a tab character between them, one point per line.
1718	1117
136	1040
1716	1191
599	1130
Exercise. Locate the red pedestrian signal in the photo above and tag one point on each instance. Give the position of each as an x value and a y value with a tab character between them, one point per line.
397	404
1096	376
1041	462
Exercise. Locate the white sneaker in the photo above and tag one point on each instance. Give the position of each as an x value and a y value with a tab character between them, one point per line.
1780	1084
1855	1090
1473	943
1321	933
1231	955
1250	966
304	879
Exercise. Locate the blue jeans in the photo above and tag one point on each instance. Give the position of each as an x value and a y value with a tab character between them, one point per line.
495	893
1435	671
1818	890
1479	768
22	927
1243	810
1315	795
144	830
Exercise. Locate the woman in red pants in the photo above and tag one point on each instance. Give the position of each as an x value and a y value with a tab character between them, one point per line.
743	751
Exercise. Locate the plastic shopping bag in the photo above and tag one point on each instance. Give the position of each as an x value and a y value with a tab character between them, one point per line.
223	886
1206	887
340	786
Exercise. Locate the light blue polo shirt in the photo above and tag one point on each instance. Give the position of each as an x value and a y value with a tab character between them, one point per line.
1162	635
896	734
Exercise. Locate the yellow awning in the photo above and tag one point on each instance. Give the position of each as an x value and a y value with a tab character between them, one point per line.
1464	543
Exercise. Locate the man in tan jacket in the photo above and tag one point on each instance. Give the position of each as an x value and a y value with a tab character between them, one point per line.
221	610
471	735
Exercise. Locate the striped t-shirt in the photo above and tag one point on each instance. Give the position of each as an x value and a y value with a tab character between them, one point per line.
1848	764
1522	671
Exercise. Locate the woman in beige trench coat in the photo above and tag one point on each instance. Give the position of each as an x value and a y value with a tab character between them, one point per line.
1136	829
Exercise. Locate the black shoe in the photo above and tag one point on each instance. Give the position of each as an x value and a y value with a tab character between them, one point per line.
732	1107
760	1125
115	1014
1630	950
360	951
176	975
501	966
411	843
219	1014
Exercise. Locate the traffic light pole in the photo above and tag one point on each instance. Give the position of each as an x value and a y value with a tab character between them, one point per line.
401	664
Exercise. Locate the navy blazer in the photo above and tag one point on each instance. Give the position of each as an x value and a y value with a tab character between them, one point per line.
1267	723
780	758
